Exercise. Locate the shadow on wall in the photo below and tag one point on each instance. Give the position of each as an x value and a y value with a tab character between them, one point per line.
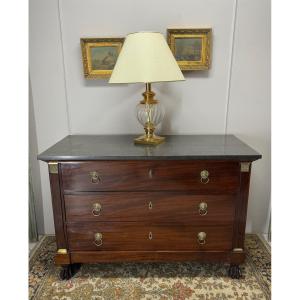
196	74
96	82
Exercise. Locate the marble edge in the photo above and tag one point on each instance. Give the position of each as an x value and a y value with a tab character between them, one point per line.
44	156
47	158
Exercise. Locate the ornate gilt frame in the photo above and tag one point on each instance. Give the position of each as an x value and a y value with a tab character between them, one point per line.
86	44
203	33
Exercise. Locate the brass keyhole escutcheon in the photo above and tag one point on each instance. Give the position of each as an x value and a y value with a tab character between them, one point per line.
204	176
150	174
95	177
202	208
98	239
96	209
201	237
150	205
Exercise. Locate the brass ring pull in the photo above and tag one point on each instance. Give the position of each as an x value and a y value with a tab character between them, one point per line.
202	208
150	205
204	176
150	235
98	239
201	238
95	177
96	209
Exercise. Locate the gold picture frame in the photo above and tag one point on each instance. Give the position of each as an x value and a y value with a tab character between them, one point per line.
99	56
191	47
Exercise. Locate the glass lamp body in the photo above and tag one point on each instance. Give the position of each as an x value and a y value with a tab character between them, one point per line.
150	114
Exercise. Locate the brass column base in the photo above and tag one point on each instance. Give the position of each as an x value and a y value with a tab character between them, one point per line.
149	140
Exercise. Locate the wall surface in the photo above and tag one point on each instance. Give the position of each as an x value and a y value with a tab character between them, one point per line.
249	106
34	167
225	99
48	88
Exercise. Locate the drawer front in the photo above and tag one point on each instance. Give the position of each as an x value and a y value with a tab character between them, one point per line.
138	236
204	176
150	207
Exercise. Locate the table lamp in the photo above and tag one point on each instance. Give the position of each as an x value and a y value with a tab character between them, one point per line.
146	58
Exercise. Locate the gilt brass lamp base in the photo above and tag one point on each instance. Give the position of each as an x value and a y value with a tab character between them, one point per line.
149	113
149	140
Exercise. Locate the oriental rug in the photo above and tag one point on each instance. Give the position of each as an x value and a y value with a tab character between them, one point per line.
157	281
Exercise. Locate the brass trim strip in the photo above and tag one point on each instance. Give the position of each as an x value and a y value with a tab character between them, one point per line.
245	166
238	250
62	251
53	167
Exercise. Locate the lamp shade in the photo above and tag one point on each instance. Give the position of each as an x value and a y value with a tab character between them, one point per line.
145	57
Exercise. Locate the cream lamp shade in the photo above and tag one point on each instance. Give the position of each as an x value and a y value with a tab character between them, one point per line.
145	57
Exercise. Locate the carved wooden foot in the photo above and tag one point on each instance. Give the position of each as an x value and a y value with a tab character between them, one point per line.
234	272
68	271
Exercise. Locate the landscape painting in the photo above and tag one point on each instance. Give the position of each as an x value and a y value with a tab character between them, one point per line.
99	56
104	58
191	47
188	48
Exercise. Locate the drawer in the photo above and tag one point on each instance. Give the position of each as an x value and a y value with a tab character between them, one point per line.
221	177
150	207
126	236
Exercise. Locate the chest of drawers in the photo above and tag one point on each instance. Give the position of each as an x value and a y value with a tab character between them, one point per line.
114	201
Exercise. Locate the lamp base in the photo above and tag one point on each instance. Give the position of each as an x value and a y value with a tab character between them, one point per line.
152	140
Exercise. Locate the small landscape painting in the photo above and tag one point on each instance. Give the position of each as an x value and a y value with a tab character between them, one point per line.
104	58
99	56
188	49
191	47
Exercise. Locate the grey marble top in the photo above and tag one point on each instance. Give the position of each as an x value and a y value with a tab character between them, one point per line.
121	147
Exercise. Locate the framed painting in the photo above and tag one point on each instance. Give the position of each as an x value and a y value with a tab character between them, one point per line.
99	56
191	47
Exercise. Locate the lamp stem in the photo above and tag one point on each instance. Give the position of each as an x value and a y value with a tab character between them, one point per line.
148	87
148	95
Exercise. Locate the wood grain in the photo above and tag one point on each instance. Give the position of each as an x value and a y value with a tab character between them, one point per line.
58	212
151	176
156	256
135	236
241	210
182	208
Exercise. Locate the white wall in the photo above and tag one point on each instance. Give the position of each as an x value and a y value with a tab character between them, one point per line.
249	107
207	102
184	101
48	89
34	166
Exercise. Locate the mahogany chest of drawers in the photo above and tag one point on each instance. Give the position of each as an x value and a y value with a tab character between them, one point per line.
182	200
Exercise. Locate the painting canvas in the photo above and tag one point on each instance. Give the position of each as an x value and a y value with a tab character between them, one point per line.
191	47
104	58
188	49
99	56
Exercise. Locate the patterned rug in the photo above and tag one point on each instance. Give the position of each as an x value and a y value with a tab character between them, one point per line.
161	281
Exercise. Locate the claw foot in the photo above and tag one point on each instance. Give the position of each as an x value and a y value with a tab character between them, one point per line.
69	271
234	272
